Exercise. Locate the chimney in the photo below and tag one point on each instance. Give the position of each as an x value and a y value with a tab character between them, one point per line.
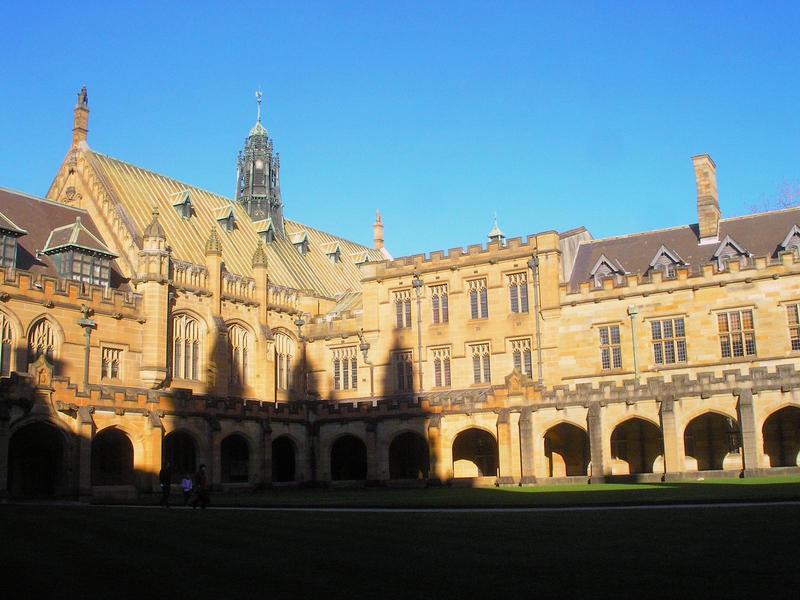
80	123
705	175
377	232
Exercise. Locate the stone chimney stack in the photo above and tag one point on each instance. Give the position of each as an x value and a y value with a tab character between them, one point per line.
377	231
705	175
80	122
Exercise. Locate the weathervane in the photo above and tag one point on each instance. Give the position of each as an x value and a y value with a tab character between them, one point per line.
258	99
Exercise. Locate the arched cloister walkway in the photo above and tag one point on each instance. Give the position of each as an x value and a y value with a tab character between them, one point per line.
348	459
112	458
709	439
37	461
475	454
781	434
637	444
566	448
408	457
180	450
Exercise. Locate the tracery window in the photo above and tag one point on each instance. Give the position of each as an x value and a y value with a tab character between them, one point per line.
478	299
403	371
345	368
402	309
42	341
6	345
186	347
481	363
239	345
111	363
441	367
284	352
518	292
439	304
521	353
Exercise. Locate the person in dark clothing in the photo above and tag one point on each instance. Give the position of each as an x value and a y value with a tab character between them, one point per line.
165	480
201	488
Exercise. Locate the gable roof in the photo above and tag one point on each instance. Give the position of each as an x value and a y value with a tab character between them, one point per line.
760	234
9	226
137	190
75	235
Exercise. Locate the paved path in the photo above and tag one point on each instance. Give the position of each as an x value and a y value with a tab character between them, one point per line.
510	509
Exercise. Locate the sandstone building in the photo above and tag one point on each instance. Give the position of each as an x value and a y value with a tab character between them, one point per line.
143	319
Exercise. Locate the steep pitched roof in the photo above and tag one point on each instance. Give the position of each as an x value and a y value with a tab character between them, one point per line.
760	234
138	190
75	235
40	217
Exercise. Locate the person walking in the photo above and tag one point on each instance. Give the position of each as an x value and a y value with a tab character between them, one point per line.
165	480
186	486
201	488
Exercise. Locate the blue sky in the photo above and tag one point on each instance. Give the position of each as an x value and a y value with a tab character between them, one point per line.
437	113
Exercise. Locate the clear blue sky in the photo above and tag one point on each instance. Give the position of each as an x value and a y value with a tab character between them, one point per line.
437	113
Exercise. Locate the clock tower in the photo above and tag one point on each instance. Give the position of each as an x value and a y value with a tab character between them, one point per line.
257	176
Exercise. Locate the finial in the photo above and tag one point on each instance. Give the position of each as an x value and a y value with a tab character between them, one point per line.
213	245
378	216
83	98
260	256
258	100
154	229
155	211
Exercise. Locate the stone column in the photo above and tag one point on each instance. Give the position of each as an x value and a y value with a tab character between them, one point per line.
85	434
747	426
215	454
265	468
505	475
438	464
372	451
672	446
594	420
527	466
154	437
5	436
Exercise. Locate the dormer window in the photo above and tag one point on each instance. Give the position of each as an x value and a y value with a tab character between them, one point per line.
9	233
605	267
333	252
183	204
360	258
792	240
79	255
666	261
728	249
265	230
225	218
300	242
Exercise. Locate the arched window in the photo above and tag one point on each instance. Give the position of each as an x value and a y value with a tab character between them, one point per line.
42	340
186	347
239	344
284	352
6	345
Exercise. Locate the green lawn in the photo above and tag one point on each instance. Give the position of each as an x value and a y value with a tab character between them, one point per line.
111	552
721	490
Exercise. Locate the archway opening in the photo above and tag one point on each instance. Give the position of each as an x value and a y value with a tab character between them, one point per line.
112	458
408	457
782	437
36	461
637	443
348	459
283	460
475	454
235	456
709	438
566	447
180	450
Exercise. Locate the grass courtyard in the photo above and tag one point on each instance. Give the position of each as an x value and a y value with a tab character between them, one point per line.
54	551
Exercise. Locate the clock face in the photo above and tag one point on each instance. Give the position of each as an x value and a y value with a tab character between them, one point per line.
259	164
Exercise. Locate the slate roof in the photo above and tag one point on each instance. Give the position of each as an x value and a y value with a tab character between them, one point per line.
138	190
39	218
75	235
760	235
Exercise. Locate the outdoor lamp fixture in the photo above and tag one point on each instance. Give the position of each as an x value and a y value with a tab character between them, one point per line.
364	347
299	322
416	283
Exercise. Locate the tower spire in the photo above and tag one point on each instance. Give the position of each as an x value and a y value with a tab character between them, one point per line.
258	101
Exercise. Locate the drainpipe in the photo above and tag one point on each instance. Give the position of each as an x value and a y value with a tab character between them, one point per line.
87	324
533	264
364	347
417	283
633	310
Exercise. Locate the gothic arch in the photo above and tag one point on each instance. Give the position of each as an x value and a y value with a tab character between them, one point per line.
189	345
112	457
10	342
475	453
629	417
709	438
566	448
637	444
409	456
348	454
39	452
37	335
236	452
781	436
284	459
